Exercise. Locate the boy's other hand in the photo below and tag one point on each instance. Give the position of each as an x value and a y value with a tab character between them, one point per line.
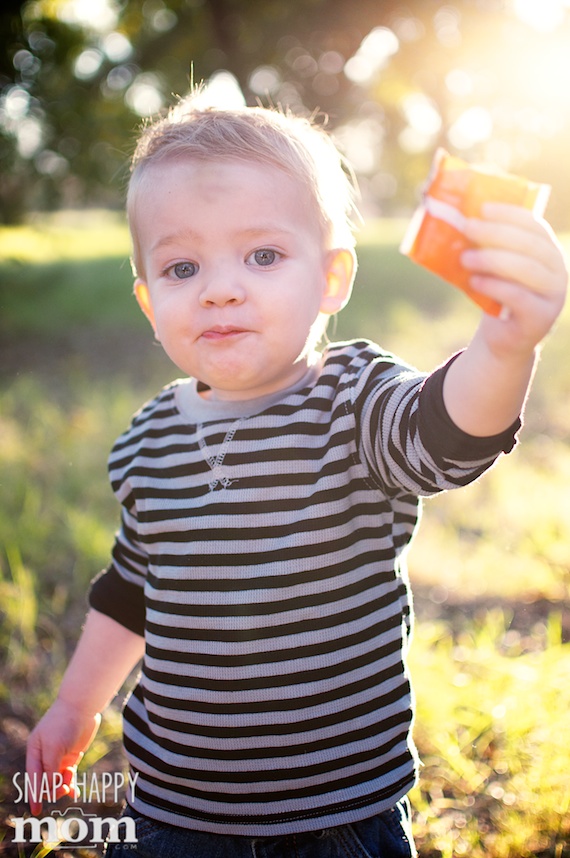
56	746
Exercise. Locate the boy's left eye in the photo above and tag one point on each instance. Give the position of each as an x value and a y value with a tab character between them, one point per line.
184	270
265	256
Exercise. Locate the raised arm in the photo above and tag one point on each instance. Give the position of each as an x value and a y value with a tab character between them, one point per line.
104	657
519	263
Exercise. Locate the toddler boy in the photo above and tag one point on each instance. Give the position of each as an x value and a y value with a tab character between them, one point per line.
269	498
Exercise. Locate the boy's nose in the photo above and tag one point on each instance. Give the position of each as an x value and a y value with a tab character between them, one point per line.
220	288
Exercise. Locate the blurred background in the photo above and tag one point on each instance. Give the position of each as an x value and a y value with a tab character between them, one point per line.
487	79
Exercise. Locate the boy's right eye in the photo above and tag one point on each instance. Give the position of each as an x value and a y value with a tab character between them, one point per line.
183	270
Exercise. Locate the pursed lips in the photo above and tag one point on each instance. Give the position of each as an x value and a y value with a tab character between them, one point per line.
222	332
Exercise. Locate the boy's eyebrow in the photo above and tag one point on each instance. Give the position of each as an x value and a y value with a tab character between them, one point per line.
173	238
248	233
268	229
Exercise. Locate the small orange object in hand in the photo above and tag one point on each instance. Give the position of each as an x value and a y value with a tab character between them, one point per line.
456	190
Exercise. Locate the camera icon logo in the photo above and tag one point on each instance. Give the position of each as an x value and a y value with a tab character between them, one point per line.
71	813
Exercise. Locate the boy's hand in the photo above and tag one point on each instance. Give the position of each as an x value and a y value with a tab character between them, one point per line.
56	746
518	262
105	654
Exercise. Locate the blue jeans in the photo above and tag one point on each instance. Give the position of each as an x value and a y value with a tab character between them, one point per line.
387	835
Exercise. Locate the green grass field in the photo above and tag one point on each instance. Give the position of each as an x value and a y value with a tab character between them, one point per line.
490	567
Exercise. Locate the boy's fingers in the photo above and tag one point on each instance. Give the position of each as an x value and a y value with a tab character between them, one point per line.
510	296
56	758
512	237
69	773
34	771
535	240
514	214
60	774
511	267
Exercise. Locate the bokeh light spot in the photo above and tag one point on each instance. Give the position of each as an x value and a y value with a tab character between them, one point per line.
474	125
545	16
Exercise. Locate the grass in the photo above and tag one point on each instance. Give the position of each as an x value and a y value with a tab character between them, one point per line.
65	271
493	728
490	566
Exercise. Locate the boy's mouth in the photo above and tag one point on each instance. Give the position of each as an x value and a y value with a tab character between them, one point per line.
222	332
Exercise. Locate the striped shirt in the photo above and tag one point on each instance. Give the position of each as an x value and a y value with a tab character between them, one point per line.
262	555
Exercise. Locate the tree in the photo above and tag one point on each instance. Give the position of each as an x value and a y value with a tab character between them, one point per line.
396	81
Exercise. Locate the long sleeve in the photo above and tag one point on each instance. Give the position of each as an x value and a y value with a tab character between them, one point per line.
409	440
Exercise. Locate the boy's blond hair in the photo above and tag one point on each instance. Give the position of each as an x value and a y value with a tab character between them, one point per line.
298	146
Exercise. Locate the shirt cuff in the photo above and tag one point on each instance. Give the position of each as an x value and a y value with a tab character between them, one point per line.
444	438
121	600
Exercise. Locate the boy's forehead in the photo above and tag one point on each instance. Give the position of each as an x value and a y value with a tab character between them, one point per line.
172	189
208	176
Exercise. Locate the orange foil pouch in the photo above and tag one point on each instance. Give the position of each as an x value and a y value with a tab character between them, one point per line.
455	191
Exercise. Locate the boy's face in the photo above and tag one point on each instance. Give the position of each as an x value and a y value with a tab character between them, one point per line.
235	273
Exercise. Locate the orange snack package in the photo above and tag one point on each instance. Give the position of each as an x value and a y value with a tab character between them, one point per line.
456	190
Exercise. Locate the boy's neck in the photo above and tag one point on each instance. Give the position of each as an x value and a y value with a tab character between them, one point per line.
297	374
194	403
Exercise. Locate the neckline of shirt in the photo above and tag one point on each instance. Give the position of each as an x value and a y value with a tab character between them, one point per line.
197	409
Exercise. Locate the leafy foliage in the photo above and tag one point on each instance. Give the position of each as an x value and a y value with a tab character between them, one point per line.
395	80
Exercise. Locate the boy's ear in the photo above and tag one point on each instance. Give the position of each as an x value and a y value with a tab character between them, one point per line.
340	272
143	299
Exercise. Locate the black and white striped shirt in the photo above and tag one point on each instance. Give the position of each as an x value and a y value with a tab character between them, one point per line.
269	539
